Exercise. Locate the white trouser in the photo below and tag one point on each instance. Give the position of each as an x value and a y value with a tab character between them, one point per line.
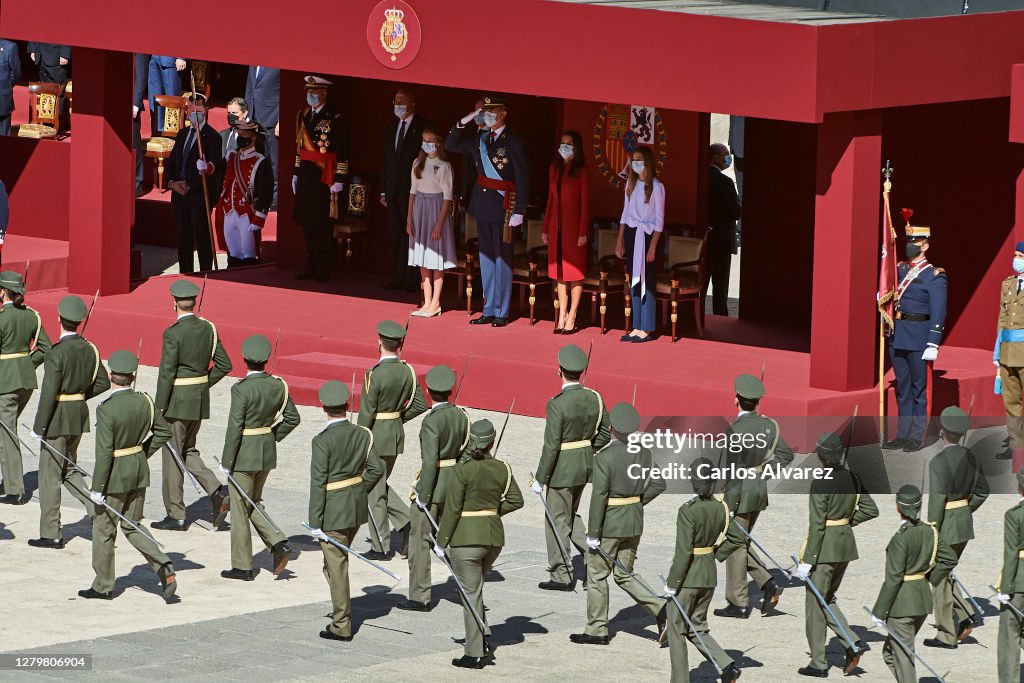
238	233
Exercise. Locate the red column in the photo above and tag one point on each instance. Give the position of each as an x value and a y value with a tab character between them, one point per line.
102	173
846	251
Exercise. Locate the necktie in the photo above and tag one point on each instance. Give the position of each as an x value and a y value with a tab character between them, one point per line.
1020	283
490	138
401	136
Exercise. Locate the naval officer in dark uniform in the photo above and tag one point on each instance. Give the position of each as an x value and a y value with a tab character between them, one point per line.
498	202
920	319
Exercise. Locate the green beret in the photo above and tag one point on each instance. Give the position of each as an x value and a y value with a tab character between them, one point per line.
625	419
1020	478
123	363
183	289
333	394
749	387
572	358
703	480
256	348
388	329
441	379
12	281
955	420
908	500
830	448
481	435
72	309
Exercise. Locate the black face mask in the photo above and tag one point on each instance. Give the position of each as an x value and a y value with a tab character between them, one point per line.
913	251
232	119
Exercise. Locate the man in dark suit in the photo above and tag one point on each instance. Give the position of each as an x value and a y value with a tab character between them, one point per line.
263	95
10	71
138	104
723	211
238	112
184	171
402	139
54	62
164	79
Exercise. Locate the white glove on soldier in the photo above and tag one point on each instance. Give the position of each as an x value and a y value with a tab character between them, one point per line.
439	551
1003	598
468	118
930	353
537	487
516	220
202	166
593	543
318	534
97	497
338	188
877	622
803	570
667	592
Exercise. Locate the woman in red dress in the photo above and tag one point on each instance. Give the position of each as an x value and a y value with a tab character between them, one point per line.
567	227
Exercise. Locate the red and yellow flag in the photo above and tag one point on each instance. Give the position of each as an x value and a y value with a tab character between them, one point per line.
887	273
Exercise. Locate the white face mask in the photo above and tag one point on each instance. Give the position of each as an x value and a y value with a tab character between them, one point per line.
637	165
490	118
565	151
1018	265
401	110
429	147
312	100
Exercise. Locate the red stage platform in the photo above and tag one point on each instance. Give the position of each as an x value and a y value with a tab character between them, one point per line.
49	259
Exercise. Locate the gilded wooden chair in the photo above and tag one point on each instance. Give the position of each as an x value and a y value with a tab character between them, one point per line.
43	111
603	276
175	121
681	280
352	223
530	263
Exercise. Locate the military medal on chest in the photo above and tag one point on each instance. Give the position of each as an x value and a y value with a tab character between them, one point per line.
500	158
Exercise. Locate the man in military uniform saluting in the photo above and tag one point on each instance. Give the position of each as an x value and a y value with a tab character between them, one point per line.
23	346
617	503
498	203
343	468
957	488
391	397
1009	354
915	557
703	535
1010	587
835	505
262	414
73	373
920	317
321	171
444	433
128	431
748	498
577	425
183	384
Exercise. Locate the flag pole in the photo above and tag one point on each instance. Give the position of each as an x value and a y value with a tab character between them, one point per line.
885	298
881	378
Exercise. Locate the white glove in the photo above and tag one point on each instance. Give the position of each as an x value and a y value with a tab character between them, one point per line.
593	543
516	220
338	187
35	436
1003	598
135	111
295	183
318	534
667	592
930	353
202	165
255	228
537	486
224	470
465	120
439	551
97	497
877	622
803	570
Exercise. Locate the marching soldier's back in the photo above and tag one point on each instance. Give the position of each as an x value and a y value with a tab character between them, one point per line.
20	328
391	396
617	499
577	426
344	467
751	495
958	488
479	486
123	423
189	346
700	524
841	499
915	557
72	368
444	434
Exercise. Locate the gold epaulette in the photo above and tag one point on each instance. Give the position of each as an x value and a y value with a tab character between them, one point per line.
938	271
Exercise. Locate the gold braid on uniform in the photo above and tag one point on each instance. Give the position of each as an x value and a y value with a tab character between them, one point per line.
96	368
39	326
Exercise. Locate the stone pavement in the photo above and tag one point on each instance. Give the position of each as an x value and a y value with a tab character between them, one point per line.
267	630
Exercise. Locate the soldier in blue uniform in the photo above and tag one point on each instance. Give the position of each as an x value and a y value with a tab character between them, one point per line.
498	202
920	318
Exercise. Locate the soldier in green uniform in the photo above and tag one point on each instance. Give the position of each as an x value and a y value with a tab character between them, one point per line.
915	557
190	345
262	414
576	427
391	397
344	467
703	535
1010	588
835	505
128	431
748	498
482	490
444	434
23	346
957	488
1008	354
622	486
73	373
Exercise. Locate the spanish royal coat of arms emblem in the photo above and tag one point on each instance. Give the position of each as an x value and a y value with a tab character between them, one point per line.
393	34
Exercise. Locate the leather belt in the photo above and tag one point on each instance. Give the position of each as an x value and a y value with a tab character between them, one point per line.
569	445
704	551
912	317
388	416
130	450
257	431
64	398
343	484
955	504
11	356
447	463
632	500
913	577
186	381
845	521
479	513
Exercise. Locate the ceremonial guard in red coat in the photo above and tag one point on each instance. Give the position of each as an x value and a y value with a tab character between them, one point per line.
247	195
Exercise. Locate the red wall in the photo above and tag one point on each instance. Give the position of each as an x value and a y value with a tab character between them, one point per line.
37	175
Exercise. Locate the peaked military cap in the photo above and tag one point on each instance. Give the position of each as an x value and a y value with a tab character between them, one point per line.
12	281
954	419
749	387
908	500
830	448
313	82
441	379
333	394
183	289
256	348
572	358
624	418
123	362
1019	247
72	309
494	101
481	435
388	329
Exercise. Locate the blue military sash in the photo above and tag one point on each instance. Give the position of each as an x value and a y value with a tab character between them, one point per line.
485	162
